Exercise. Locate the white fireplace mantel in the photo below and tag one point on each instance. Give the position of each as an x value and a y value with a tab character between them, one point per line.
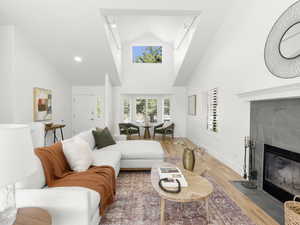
279	92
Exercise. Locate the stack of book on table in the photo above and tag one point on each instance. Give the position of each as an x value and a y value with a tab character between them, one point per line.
173	174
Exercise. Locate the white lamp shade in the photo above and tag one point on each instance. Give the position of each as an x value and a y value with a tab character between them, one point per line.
16	153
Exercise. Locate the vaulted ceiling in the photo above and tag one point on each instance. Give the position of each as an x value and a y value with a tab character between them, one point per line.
61	29
165	28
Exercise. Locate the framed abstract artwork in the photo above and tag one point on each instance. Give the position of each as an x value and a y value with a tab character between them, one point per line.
192	100
42	104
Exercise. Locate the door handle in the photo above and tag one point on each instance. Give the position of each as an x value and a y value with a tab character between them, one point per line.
92	119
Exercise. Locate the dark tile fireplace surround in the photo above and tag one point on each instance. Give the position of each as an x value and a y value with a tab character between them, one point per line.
275	126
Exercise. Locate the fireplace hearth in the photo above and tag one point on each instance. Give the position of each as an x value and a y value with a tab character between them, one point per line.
281	174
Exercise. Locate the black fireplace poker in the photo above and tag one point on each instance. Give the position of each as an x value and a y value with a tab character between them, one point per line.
251	175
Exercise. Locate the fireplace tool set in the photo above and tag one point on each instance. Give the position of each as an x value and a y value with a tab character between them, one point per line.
251	174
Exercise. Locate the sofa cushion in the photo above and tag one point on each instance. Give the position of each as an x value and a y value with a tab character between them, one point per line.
88	137
103	138
107	158
137	149
78	154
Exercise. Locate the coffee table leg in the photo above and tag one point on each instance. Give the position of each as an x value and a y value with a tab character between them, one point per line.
207	210
162	211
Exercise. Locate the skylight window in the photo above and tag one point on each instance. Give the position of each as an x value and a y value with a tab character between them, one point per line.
147	54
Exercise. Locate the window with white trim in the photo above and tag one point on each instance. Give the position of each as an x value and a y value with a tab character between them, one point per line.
98	107
146	110
126	110
212	110
166	104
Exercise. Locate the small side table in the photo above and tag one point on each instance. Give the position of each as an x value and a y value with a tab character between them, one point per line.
33	216
53	128
147	132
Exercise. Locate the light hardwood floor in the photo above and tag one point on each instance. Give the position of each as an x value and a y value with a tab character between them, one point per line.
223	175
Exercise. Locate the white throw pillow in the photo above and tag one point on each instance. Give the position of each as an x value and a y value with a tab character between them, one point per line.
78	154
88	137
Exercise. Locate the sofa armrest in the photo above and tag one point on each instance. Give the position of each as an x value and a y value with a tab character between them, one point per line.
120	137
65	207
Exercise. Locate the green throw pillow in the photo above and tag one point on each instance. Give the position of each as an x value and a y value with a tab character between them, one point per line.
103	138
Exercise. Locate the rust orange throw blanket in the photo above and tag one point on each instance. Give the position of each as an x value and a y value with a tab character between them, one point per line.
58	174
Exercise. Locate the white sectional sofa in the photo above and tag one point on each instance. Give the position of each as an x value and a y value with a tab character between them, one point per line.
78	205
135	154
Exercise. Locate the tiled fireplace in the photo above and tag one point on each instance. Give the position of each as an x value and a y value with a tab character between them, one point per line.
275	126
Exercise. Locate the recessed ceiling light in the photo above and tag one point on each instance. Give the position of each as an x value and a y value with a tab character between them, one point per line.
78	59
113	25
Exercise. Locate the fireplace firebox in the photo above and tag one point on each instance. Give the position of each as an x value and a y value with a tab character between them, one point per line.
281	176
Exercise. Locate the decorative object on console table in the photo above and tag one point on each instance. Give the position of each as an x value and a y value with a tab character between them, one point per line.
192	103
54	127
251	176
16	162
32	216
42	104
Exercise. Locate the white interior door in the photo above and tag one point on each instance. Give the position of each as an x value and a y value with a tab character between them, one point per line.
86	113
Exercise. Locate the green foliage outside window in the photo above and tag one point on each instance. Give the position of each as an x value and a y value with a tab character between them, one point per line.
146	107
152	110
166	109
147	54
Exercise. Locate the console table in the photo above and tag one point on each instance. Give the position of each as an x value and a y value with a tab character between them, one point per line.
53	128
32	216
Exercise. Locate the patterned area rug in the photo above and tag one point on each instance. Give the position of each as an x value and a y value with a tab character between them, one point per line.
137	203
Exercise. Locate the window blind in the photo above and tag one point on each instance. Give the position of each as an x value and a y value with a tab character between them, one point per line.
212	110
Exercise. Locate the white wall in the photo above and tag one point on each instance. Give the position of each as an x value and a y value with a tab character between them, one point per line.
29	70
151	77
234	62
183	47
115	49
109	117
6	72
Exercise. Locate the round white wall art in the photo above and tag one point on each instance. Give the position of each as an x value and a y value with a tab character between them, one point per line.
282	48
